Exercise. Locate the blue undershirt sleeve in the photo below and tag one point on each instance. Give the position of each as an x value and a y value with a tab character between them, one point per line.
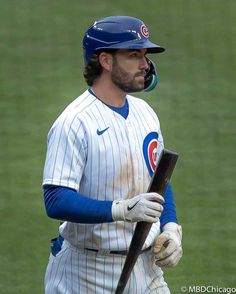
66	204
169	212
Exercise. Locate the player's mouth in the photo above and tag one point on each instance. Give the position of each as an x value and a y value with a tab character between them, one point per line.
140	77
141	74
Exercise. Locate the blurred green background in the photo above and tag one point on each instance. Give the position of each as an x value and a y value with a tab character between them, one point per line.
41	72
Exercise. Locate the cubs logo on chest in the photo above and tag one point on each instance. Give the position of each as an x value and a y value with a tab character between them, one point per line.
150	146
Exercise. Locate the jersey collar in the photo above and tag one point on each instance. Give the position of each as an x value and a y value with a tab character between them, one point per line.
123	111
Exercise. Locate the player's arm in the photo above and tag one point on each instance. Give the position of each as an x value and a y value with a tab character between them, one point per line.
67	204
169	208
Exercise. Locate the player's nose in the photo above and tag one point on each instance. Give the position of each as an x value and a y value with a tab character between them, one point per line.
144	63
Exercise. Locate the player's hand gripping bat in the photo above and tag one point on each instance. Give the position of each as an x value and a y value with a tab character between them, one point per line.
158	184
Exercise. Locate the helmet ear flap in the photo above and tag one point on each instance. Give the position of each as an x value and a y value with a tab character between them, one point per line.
151	78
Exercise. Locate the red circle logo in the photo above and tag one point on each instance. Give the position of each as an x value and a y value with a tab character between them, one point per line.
151	151
152	154
144	31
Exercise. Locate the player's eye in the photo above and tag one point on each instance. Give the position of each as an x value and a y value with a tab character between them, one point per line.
135	54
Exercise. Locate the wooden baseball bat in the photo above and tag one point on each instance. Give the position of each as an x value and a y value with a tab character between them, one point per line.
158	184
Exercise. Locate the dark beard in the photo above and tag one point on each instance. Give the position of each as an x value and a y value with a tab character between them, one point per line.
123	81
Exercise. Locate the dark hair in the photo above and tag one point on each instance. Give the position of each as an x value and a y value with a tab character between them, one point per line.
93	68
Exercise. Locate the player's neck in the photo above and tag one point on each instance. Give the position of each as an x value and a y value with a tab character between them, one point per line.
109	94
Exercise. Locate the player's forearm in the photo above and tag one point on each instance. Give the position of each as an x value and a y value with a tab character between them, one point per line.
169	212
67	205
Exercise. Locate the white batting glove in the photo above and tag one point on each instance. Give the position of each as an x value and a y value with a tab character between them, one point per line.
145	207
167	248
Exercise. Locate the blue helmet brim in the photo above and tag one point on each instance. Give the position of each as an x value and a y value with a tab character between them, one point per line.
140	44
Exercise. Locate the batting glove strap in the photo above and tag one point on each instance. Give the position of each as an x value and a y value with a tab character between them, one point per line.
144	207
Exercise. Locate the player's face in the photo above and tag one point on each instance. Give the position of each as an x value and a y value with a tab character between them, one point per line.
129	69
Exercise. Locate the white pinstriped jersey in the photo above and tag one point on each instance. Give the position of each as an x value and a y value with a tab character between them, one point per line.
104	156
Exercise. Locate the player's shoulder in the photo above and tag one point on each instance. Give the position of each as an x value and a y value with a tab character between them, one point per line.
140	104
137	101
80	104
72	115
76	108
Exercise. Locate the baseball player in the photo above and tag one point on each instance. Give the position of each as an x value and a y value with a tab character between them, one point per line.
101	154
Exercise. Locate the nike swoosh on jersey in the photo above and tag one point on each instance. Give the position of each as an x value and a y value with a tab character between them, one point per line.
131	207
100	132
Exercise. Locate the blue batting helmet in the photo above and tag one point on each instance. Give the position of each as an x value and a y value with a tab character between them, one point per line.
118	32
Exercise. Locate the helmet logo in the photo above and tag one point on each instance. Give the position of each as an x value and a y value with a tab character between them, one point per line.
144	31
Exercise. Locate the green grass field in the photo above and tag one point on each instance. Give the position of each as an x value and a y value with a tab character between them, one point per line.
41	72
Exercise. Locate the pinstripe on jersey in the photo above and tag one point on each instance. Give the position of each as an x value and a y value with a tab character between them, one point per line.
94	150
78	272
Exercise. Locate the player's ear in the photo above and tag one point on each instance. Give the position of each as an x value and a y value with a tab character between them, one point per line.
105	60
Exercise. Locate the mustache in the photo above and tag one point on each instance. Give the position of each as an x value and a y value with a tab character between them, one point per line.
141	73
